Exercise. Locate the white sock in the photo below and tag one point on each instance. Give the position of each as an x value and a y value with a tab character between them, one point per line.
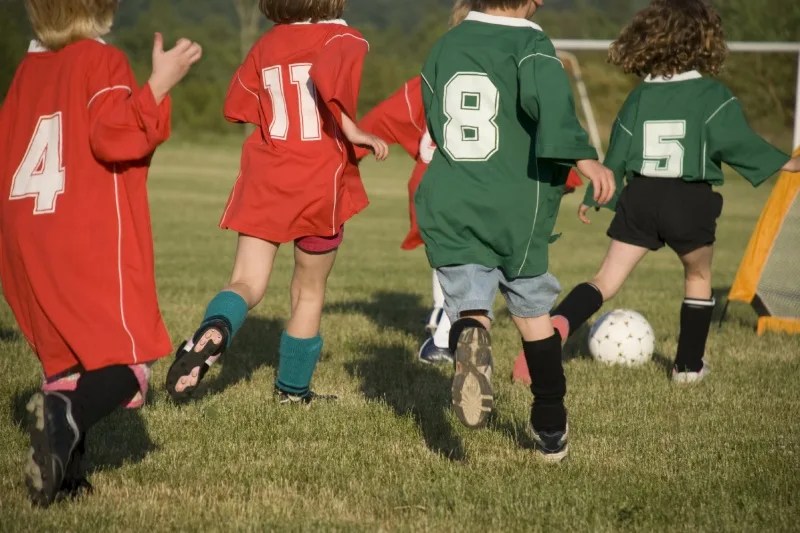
438	295
442	336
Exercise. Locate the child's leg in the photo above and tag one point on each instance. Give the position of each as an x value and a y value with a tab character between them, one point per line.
59	422
587	298
696	310
437	313
224	315
301	343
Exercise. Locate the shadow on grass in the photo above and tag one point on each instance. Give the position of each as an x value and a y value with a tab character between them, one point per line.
390	375
8	335
119	439
411	389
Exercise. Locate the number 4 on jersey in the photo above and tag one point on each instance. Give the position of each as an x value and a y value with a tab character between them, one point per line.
41	174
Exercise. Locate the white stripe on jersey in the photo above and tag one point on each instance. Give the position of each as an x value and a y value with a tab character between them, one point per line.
410	110
107	89
714	114
538	54
347	35
119	268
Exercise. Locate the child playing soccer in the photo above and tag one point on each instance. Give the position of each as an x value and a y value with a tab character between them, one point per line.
298	183
500	111
76	252
400	119
669	141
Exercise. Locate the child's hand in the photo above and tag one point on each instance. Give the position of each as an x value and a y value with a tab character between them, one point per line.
357	136
582	211
378	145
169	67
601	177
793	165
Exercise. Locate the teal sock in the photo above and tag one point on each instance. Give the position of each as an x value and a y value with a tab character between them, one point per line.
230	308
298	359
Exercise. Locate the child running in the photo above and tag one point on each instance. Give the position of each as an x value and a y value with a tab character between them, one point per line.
298	183
500	111
669	141
76	251
400	119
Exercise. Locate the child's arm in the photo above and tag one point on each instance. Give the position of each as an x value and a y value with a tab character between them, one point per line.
793	165
361	138
128	124
732	141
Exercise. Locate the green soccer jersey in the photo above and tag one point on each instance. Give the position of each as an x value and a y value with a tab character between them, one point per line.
685	127
500	110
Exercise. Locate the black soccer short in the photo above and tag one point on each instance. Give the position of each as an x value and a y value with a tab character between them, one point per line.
652	212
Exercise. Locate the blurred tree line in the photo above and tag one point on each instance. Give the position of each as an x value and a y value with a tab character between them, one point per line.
402	32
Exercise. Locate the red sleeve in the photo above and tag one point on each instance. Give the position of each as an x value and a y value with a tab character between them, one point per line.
242	102
336	73
400	119
126	124
573	180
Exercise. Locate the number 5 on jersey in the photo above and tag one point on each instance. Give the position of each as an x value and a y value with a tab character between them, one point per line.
41	173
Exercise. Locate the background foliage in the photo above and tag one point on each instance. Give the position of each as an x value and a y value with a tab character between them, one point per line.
401	33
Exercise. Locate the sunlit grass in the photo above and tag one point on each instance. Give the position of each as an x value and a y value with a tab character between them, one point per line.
390	455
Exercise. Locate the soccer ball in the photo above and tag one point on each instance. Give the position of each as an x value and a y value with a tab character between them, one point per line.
622	337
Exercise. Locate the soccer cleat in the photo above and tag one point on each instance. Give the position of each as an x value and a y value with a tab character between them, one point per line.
430	353
472	394
286	398
689	378
550	446
75	484
434	317
54	437
194	357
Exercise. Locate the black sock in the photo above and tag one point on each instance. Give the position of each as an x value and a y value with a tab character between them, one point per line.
548	383
459	326
100	392
581	303
695	323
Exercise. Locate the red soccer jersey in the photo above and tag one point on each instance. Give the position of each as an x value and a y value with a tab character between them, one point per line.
298	174
76	252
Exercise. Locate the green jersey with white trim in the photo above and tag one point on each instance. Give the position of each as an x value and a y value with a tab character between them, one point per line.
685	127
500	110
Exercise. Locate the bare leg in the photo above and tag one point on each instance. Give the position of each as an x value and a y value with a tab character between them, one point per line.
619	262
309	282
697	273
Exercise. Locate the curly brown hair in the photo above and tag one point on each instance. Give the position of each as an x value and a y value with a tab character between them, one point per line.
289	11
669	37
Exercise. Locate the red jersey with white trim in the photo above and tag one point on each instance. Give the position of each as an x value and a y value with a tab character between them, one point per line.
400	119
76	250
298	174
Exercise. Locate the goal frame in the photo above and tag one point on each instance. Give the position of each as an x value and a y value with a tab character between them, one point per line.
574	45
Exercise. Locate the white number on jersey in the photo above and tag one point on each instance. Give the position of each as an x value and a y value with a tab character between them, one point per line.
310	123
663	152
41	173
471	104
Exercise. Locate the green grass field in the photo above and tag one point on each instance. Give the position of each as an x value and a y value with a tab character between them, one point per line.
724	456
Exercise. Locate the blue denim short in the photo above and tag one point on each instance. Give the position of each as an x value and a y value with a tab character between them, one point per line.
474	287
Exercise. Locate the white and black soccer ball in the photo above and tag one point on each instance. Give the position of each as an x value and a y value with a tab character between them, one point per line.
622	337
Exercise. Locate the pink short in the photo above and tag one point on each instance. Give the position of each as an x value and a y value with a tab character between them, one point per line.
320	245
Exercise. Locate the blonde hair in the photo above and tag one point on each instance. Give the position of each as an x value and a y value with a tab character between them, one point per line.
289	11
58	23
459	12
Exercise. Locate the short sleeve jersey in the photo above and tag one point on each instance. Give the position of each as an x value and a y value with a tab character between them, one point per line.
400	119
500	111
298	174
685	127
76	247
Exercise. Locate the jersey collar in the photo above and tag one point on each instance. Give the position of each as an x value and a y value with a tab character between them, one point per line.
477	16
340	22
36	47
683	76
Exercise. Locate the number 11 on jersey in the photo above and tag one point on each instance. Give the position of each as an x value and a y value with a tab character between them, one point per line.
41	173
